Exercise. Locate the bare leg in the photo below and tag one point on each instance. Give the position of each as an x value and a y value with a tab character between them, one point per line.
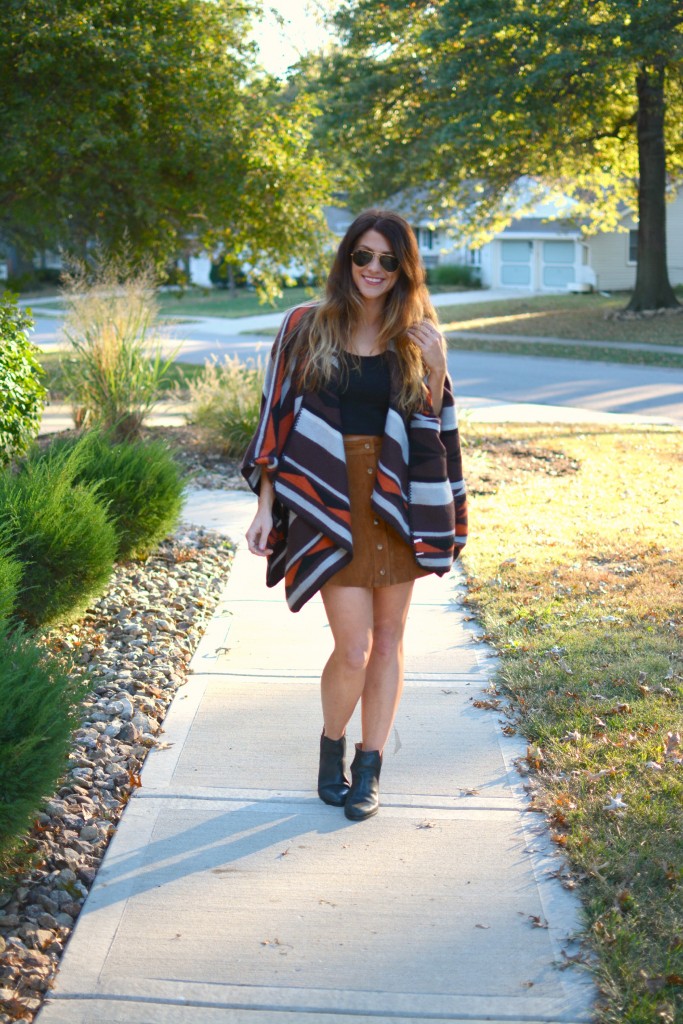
384	673
350	615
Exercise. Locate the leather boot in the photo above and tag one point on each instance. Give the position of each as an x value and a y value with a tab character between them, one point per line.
333	783
363	799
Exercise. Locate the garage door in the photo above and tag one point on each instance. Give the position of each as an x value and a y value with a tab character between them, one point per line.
515	264
558	264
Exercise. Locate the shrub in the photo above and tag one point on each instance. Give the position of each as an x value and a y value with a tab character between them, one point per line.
22	396
61	534
39	700
459	274
117	368
226	402
140	483
10	574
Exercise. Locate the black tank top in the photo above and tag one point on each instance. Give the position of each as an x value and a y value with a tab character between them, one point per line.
364	395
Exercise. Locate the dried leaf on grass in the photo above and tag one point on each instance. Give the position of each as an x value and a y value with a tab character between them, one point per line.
615	804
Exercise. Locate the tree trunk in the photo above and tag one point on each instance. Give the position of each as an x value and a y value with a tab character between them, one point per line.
652	290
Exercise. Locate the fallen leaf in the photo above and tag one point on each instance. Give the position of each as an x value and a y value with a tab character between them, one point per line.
469	792
567	960
615	804
484	927
427	824
283	854
620	709
509	730
571	737
672	745
654	766
534	756
488	705
564	665
663	691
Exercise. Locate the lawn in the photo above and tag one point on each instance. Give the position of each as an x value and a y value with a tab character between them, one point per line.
567	350
579	317
575	569
197	302
178	374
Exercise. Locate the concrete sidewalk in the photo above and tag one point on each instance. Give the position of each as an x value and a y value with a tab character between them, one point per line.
231	894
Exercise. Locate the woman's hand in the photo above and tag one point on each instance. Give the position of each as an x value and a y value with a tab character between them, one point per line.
431	344
257	534
262	523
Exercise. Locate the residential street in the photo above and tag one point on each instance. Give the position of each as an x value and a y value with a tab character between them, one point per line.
481	378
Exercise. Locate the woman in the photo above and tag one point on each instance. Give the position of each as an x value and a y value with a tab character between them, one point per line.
356	463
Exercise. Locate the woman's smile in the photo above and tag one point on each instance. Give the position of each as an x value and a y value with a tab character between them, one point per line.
372	280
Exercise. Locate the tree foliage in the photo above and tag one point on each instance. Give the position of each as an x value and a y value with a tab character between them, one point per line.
151	120
463	98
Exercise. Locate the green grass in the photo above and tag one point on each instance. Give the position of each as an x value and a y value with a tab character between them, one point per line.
529	347
220	303
579	317
177	377
575	567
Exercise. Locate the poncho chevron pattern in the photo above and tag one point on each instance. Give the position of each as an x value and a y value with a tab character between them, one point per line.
419	488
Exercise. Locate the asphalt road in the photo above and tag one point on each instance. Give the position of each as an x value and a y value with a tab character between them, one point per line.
601	387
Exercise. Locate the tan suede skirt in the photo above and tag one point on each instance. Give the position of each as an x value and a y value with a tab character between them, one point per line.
381	557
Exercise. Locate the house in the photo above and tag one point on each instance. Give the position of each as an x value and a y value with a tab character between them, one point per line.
614	254
543	250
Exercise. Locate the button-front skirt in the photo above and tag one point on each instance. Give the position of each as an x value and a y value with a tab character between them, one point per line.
381	557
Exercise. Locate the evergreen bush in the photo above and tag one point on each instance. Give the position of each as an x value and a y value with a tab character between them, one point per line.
60	532
22	396
226	402
140	483
39	700
459	274
10	574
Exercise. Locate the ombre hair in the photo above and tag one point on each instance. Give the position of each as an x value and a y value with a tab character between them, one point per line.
323	333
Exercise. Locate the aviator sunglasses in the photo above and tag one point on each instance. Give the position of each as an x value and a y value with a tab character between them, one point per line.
363	257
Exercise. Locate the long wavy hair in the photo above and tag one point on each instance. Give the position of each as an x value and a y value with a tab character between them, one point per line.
322	334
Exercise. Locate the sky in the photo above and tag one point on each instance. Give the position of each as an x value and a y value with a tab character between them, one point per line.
282	44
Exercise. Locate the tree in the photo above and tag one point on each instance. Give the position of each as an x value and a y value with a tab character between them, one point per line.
463	98
150	119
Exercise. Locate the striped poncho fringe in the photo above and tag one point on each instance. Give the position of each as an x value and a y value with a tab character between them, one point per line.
419	488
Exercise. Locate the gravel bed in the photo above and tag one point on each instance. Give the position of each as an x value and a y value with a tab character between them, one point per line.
135	644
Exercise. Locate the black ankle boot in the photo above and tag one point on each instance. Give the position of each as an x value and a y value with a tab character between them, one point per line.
333	784
363	799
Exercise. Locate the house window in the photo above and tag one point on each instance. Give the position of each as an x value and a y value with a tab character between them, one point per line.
426	238
473	257
633	245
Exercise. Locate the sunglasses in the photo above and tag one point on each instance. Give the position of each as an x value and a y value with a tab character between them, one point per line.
363	257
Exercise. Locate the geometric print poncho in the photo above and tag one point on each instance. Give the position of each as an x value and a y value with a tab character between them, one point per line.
419	488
